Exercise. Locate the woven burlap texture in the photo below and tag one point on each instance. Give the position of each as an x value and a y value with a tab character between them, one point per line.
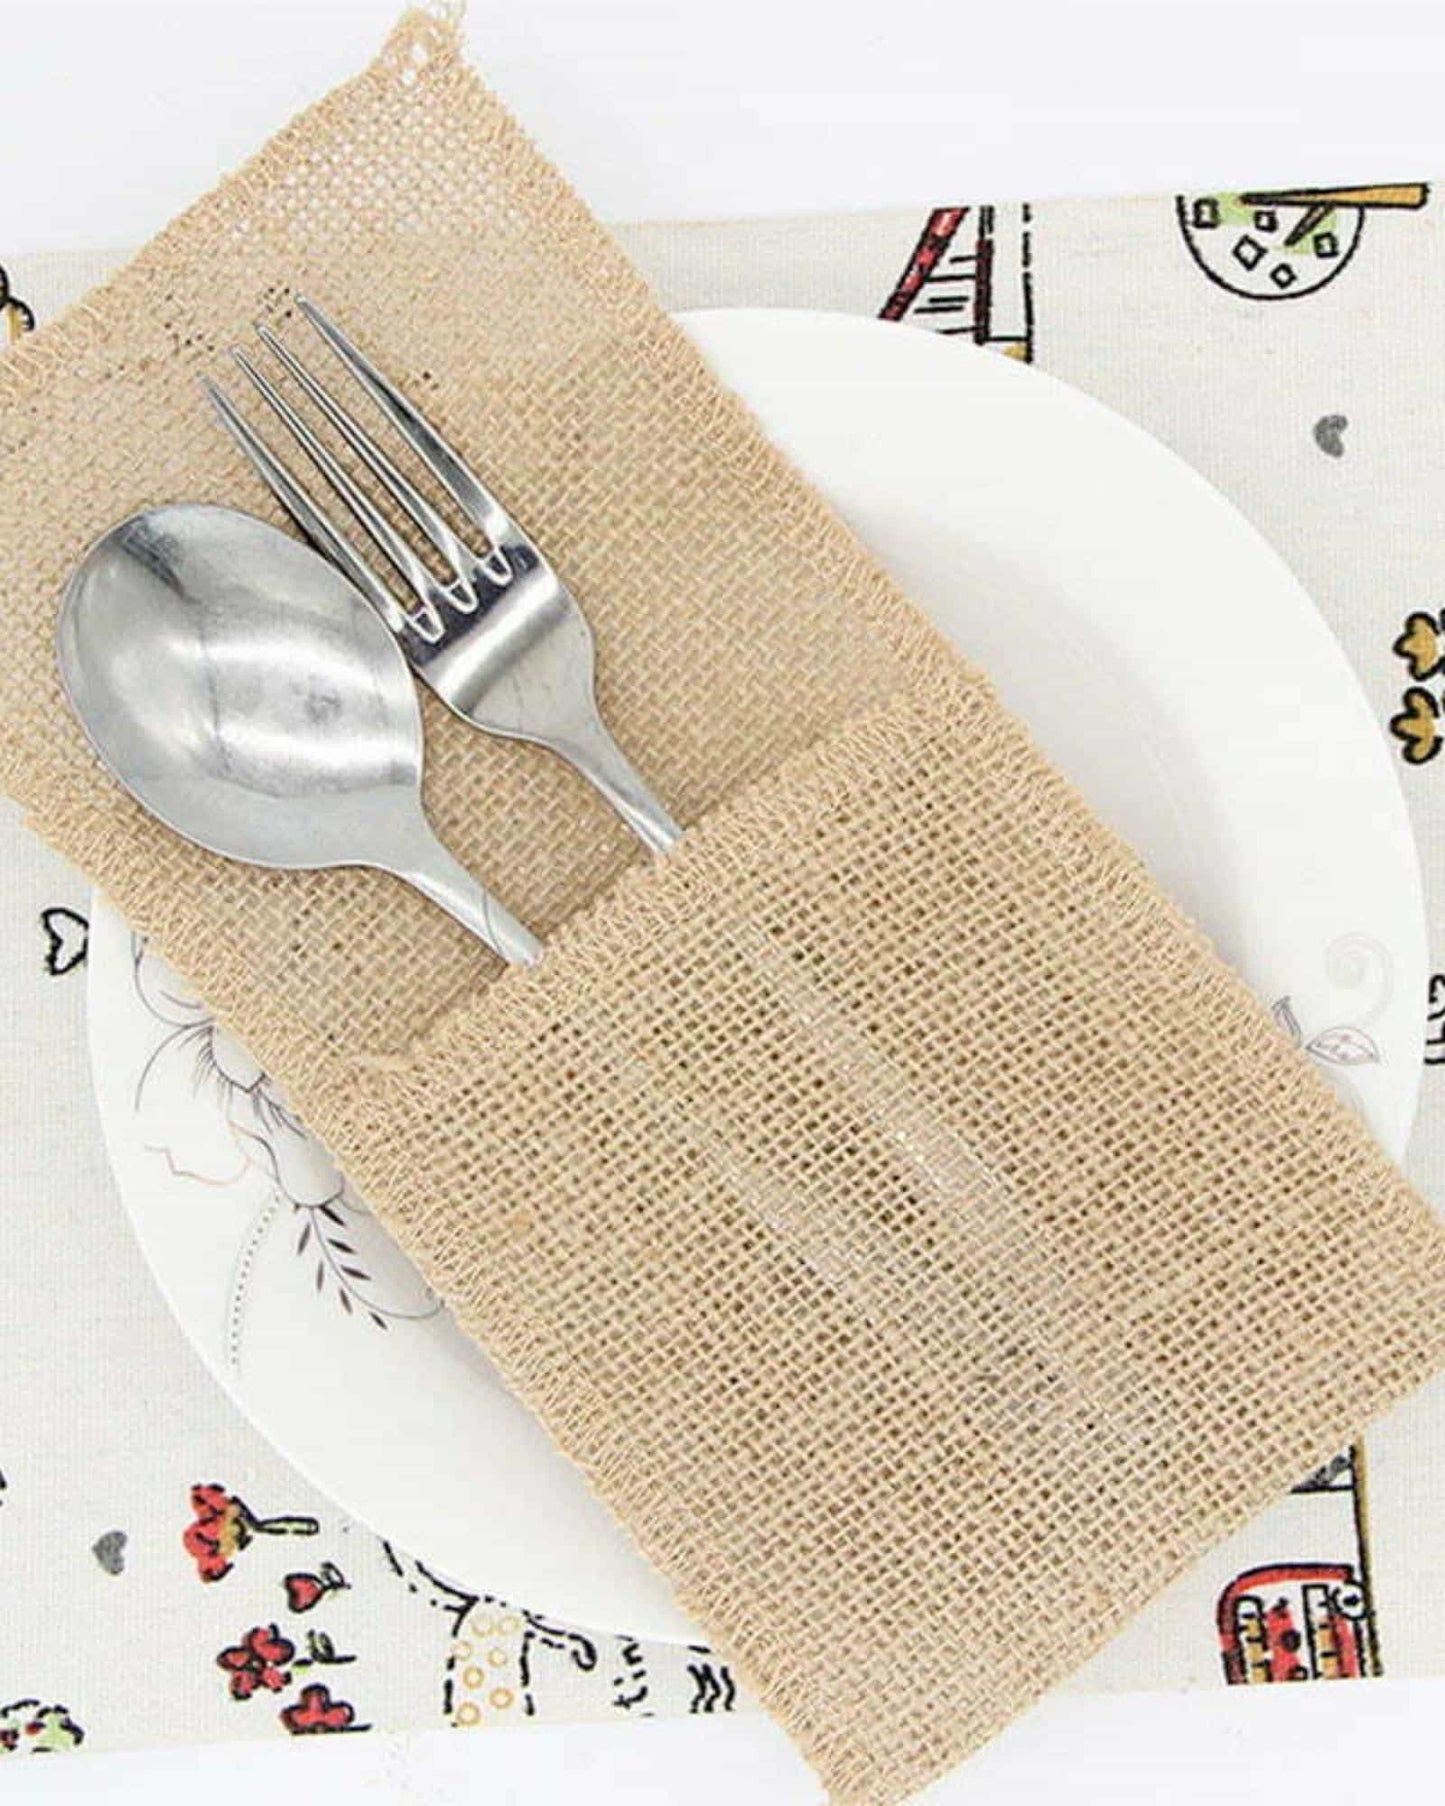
920	1239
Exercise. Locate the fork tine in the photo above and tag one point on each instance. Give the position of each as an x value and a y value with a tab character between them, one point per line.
303	509
401	488
464	486
368	515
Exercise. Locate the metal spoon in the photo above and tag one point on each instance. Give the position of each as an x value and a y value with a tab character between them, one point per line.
246	695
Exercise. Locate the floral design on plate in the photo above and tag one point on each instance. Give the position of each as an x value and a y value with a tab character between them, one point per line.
1357	961
1341	1045
198	1080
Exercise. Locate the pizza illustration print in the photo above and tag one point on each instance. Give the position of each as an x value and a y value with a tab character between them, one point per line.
1279	244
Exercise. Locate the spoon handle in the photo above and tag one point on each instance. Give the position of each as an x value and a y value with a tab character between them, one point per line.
433	871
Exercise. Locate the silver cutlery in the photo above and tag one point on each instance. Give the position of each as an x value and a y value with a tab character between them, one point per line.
500	638
503	642
257	698
243	692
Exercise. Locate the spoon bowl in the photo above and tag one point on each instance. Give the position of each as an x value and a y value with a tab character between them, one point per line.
243	691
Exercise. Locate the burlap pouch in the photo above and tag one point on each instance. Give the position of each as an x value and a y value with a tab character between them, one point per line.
920	1239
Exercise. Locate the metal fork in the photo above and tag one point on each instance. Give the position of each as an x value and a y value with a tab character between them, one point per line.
504	643
500	638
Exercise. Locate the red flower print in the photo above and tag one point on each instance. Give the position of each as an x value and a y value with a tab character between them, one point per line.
261	1659
316	1711
305	1590
224	1524
217	1531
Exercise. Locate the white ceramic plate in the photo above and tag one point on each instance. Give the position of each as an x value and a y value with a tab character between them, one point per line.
1168	662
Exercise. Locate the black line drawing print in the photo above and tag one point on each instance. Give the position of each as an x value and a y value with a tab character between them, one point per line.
67	939
501	1659
714	1689
1435	1022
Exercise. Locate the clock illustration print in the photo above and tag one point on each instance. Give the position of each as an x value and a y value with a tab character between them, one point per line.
1277	244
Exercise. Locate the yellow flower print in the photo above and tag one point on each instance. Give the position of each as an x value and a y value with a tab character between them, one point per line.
1421	645
1417	726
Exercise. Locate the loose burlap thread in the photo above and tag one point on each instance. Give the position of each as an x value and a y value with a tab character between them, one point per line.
920	1239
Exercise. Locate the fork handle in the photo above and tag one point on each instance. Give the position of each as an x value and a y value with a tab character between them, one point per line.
592	752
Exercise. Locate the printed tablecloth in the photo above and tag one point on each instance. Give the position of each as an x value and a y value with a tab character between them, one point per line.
167	1577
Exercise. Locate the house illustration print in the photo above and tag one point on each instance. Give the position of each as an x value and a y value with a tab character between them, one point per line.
1281	244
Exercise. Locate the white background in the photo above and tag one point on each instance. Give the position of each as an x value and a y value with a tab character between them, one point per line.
115	113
